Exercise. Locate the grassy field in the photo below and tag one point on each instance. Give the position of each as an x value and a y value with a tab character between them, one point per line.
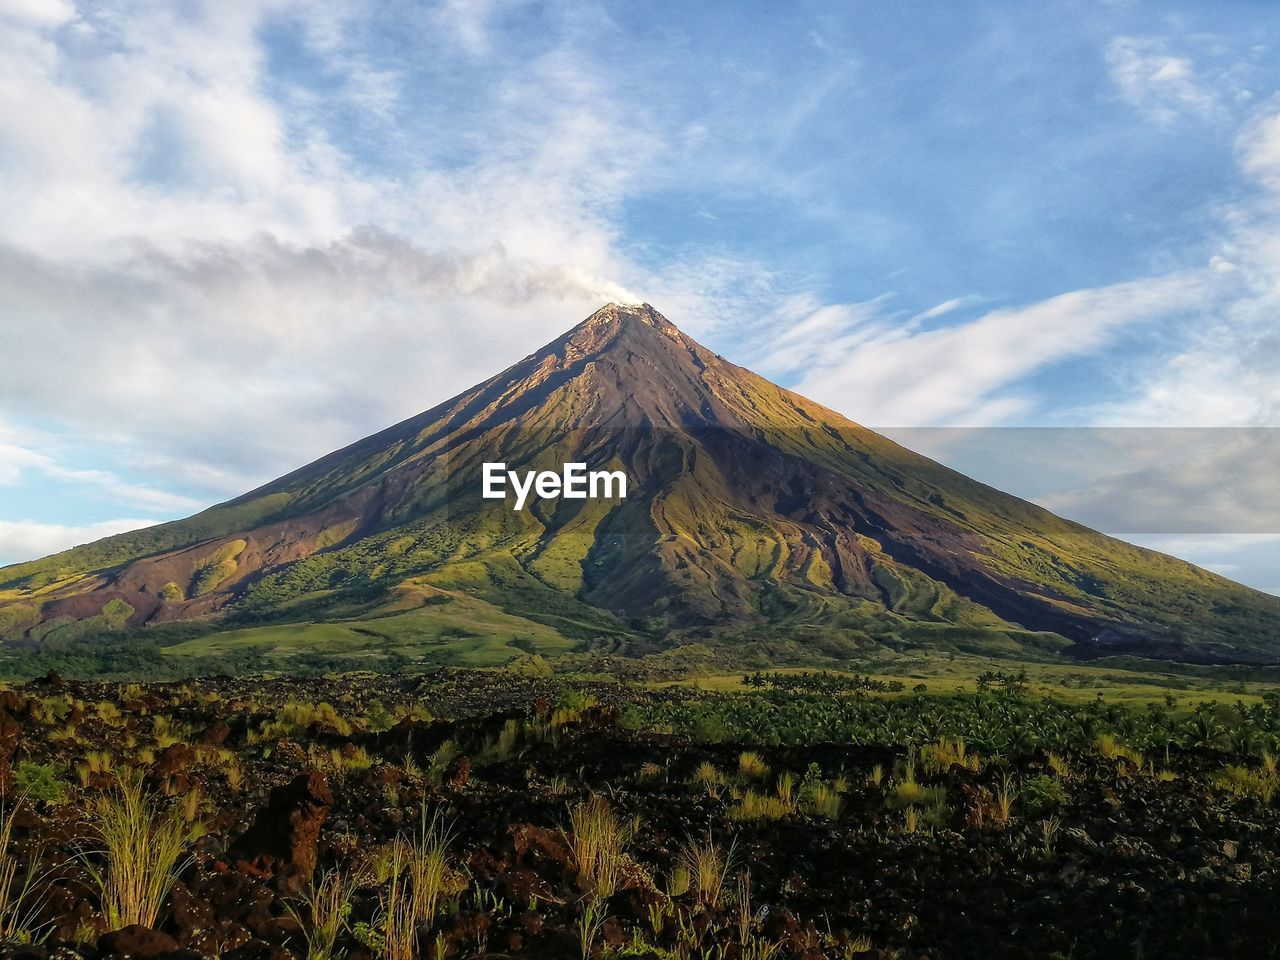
1073	682
462	631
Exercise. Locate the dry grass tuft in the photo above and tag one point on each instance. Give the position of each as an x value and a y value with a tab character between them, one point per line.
328	904
941	755
1005	795
419	875
751	766
143	847
1059	766
759	806
598	839
18	907
708	865
826	801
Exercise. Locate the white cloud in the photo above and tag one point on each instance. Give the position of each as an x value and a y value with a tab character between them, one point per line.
135	84
314	345
1171	481
23	539
42	13
155	124
1259	145
948	306
1162	86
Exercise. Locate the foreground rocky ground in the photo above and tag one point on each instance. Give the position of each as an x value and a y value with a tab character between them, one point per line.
470	814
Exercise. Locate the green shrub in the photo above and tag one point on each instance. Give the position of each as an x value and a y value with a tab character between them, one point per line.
1043	793
116	613
571	705
39	782
378	718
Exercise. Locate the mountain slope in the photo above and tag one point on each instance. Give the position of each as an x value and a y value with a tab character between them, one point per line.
751	512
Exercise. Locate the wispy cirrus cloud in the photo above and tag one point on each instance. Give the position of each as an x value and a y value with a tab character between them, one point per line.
895	371
947	306
24	455
1225	371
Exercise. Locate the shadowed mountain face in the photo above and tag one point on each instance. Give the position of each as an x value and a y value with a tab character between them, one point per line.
751	513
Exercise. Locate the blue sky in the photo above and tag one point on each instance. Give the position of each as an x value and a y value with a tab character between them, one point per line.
236	235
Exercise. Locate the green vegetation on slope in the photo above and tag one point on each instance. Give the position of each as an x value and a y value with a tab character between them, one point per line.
111	552
217	568
462	630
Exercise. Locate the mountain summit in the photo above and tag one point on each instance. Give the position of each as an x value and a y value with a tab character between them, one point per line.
751	515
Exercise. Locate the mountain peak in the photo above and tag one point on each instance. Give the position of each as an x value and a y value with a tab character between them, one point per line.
617	324
615	312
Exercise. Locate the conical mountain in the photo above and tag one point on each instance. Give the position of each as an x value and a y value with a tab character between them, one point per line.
751	514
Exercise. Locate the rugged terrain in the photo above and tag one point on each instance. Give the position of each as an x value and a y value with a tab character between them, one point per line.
753	513
818	816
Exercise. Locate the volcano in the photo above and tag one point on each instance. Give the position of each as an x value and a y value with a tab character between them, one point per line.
751	515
